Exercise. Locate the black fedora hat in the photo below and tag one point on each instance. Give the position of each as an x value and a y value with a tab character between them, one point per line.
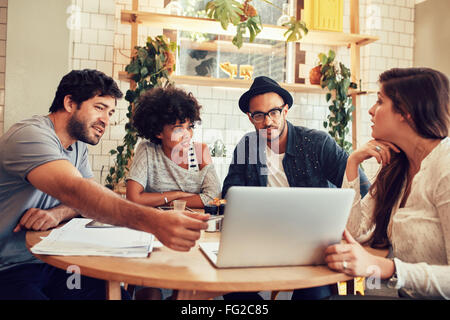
262	85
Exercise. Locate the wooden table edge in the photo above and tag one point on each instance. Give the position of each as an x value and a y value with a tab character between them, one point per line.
187	289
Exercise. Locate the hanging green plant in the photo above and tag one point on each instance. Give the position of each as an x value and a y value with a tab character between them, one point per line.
150	67
245	17
337	78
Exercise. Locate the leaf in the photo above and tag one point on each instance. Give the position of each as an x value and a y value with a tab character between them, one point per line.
132	68
346	84
296	30
158	63
331	85
323	60
253	24
144	72
224	11
328	96
130	96
238	38
331	56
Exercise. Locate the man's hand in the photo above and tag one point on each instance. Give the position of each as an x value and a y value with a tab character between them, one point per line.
180	231
38	220
41	220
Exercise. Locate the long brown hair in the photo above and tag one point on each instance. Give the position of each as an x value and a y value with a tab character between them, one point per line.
423	94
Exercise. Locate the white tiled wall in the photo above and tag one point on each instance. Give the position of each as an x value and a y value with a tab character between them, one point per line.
104	43
393	22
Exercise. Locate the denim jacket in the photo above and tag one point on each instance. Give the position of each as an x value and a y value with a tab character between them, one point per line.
312	159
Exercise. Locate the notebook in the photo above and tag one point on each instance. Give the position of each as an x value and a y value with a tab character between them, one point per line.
74	239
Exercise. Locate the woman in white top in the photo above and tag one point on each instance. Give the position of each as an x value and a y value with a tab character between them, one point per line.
408	206
168	165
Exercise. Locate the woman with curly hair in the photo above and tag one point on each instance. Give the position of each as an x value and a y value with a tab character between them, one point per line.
168	165
408	205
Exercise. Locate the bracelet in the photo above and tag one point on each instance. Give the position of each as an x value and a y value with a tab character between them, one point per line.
393	282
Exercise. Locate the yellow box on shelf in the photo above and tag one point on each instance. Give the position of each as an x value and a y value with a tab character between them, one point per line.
323	14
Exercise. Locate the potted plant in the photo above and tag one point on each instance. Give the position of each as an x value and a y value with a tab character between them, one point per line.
150	67
337	78
244	16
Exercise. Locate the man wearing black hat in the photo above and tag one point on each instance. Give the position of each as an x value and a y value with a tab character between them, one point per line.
307	157
279	154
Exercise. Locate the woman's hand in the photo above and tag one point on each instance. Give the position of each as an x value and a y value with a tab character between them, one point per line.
379	149
352	259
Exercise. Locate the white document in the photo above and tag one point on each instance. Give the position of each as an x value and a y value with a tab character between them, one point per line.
74	239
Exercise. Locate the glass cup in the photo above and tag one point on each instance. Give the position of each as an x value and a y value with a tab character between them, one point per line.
179	205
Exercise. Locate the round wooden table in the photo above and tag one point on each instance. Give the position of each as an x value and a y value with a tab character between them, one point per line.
191	274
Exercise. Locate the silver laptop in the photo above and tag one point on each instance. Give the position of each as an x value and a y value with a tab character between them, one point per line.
279	226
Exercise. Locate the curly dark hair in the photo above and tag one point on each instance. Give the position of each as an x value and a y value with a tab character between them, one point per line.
162	106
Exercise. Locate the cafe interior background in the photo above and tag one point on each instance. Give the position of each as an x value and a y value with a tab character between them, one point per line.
41	40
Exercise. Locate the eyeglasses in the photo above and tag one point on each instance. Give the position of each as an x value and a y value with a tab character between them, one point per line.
274	114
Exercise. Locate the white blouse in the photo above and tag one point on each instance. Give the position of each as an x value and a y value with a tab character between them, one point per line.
420	232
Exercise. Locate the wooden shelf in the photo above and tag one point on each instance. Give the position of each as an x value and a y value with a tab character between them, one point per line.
352	40
227	46
244	84
269	32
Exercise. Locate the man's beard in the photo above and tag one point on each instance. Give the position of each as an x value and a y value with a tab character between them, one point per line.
80	131
272	138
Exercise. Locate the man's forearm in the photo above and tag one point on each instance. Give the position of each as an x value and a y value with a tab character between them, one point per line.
177	231
93	201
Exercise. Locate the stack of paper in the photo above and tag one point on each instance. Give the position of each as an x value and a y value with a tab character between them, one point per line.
74	239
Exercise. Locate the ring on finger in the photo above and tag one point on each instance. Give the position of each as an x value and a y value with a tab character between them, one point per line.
344	264
378	148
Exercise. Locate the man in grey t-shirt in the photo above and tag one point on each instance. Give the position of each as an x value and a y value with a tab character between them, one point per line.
45	179
27	145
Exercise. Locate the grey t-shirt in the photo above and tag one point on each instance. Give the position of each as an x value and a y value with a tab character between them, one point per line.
25	146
